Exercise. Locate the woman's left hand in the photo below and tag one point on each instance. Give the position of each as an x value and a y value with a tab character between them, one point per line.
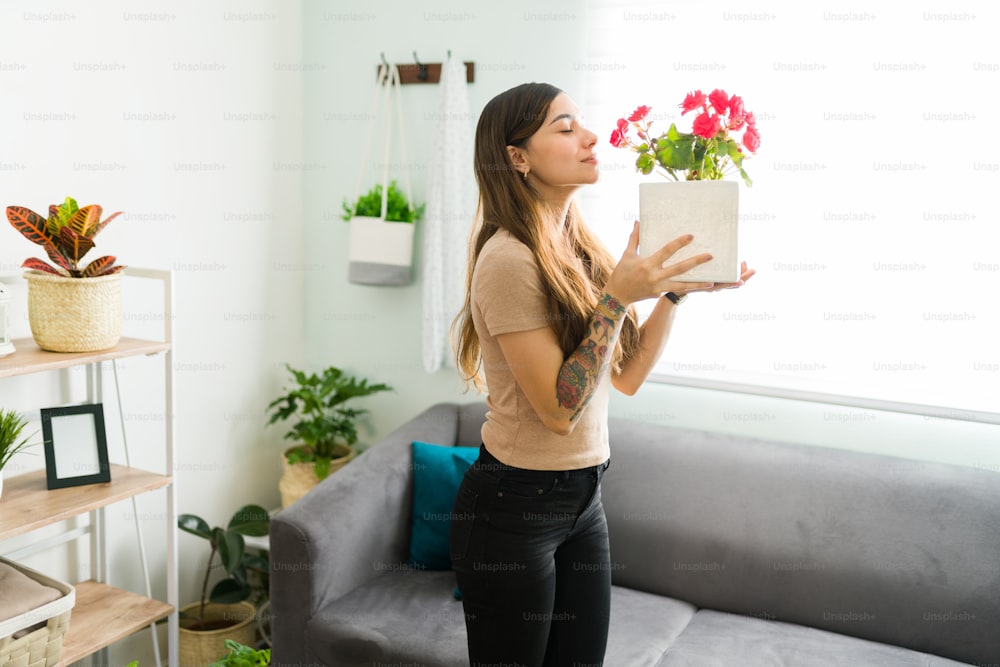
682	288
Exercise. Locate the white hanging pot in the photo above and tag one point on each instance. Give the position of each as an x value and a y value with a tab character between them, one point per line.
709	210
380	252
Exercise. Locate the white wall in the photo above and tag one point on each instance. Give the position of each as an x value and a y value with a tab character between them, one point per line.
376	330
187	116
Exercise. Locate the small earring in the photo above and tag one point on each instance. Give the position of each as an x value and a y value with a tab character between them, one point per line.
525	174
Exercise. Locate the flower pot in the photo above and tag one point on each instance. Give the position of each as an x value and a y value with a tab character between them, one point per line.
200	647
380	252
707	209
299	478
74	314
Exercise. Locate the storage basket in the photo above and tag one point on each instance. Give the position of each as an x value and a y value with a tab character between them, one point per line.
41	646
74	314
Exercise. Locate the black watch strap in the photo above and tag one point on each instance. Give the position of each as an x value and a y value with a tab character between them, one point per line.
674	298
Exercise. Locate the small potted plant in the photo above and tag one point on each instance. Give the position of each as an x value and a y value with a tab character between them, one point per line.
71	307
695	199
11	442
229	610
324	428
381	237
241	655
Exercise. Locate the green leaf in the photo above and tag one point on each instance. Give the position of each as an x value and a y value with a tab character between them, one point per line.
673	134
644	163
195	525
322	467
229	591
231	548
250	520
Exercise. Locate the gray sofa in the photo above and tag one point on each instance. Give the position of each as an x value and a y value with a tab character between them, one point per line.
727	551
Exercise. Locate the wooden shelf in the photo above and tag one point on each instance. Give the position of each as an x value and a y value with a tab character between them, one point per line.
103	615
28	505
29	358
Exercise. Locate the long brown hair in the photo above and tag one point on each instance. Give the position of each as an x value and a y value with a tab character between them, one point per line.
509	202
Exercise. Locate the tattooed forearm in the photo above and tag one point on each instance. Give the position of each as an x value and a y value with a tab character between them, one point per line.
581	372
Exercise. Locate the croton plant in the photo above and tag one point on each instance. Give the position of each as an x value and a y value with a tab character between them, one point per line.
66	235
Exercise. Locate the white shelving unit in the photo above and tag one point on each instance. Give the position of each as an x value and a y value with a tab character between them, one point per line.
103	614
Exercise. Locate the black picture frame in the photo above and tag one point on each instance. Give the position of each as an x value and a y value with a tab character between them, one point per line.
76	446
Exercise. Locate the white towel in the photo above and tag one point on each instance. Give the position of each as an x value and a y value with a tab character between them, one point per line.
451	206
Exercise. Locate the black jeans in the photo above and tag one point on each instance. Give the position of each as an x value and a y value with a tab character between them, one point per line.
530	549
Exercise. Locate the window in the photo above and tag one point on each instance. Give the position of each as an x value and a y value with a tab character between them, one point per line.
872	221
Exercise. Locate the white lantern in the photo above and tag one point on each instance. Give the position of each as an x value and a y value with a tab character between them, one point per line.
6	347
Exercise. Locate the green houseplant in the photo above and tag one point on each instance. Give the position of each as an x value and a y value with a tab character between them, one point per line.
240	655
398	208
322	424
11	442
228	611
72	307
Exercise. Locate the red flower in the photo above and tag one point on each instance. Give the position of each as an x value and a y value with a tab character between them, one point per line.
751	139
622	125
693	101
617	138
719	100
706	125
751	121
639	114
737	114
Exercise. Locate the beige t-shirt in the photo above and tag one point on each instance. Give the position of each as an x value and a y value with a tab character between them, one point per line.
507	297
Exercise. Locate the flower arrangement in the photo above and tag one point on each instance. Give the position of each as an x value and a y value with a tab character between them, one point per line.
708	152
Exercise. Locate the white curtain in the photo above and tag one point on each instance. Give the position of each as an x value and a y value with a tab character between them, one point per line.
451	206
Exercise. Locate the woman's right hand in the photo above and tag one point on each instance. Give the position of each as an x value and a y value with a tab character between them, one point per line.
636	278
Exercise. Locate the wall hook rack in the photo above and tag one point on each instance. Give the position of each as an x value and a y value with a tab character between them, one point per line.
418	72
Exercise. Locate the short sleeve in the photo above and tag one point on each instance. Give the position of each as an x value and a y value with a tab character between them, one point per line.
506	288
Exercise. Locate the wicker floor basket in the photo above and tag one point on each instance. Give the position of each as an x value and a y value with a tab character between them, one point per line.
299	478
41	646
203	647
74	314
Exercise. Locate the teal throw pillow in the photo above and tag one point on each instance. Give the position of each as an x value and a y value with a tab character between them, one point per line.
437	474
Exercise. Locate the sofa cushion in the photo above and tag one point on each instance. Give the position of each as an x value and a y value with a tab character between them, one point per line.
437	474
643	626
408	616
718	639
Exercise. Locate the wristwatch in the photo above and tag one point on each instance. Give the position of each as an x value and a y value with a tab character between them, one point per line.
674	298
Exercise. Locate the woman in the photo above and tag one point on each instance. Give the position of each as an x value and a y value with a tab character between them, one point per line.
548	321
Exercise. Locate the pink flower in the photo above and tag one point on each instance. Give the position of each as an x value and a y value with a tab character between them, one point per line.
617	138
639	114
707	125
751	121
751	139
622	125
719	100
693	101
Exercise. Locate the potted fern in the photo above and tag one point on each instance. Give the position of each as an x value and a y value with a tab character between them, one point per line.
71	307
381	238
323	427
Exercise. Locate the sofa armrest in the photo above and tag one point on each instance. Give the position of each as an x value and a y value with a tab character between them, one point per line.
347	530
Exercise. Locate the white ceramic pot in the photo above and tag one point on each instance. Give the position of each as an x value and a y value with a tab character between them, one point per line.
707	209
380	252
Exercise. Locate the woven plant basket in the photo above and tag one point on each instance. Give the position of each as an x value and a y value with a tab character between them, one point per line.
203	647
74	314
299	478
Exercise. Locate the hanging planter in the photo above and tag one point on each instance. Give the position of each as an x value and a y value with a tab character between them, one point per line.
380	248
71	308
